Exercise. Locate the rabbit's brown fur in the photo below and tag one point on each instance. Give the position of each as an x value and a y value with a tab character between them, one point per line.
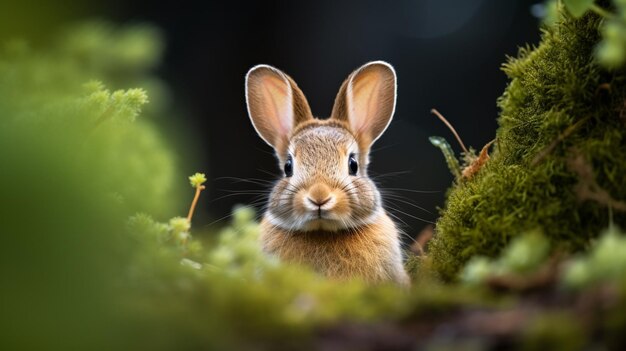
370	252
326	213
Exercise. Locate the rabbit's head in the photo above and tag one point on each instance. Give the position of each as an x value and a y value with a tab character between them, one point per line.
325	184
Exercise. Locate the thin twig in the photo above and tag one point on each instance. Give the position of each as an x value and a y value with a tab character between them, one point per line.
445	121
195	201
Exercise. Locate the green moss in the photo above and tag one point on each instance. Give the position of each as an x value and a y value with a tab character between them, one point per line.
553	87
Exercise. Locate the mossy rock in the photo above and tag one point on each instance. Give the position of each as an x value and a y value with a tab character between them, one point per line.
559	103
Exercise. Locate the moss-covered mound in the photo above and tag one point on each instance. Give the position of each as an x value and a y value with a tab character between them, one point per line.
559	160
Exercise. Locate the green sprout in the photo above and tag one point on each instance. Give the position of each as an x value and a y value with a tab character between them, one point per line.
196	181
471	162
453	163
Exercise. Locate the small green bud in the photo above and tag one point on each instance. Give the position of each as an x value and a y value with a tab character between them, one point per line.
577	274
476	270
613	30
197	179
611	52
525	252
608	257
179	225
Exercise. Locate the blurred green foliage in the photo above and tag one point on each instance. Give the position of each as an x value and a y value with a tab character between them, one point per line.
74	165
605	262
590	289
524	254
56	99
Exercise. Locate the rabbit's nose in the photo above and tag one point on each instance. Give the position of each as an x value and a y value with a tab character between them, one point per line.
318	203
319	195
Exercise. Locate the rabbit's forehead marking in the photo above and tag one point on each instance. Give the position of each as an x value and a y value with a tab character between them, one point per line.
322	145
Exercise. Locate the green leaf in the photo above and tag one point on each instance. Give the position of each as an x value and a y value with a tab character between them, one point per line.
578	8
445	148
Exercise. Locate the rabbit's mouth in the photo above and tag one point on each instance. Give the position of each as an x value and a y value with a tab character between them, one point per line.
323	223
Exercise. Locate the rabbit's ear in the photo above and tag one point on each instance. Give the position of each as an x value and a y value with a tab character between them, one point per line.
275	104
367	100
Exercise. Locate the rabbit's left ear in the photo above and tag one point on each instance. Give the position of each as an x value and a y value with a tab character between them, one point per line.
367	100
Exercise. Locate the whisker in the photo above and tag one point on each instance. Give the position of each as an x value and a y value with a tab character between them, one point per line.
398	218
268	173
258	191
389	174
409	215
264	151
413	191
230	195
410	204
384	147
218	220
246	180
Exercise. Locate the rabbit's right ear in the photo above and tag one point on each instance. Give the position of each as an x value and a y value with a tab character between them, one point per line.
275	105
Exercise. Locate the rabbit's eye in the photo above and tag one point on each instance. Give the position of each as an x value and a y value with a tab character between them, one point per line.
289	167
353	166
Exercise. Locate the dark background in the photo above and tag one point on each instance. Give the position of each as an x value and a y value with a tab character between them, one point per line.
447	55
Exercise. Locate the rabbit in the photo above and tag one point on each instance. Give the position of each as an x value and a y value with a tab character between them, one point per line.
325	212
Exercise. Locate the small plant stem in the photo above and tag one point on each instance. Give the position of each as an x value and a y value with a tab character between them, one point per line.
445	121
600	11
195	201
448	154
